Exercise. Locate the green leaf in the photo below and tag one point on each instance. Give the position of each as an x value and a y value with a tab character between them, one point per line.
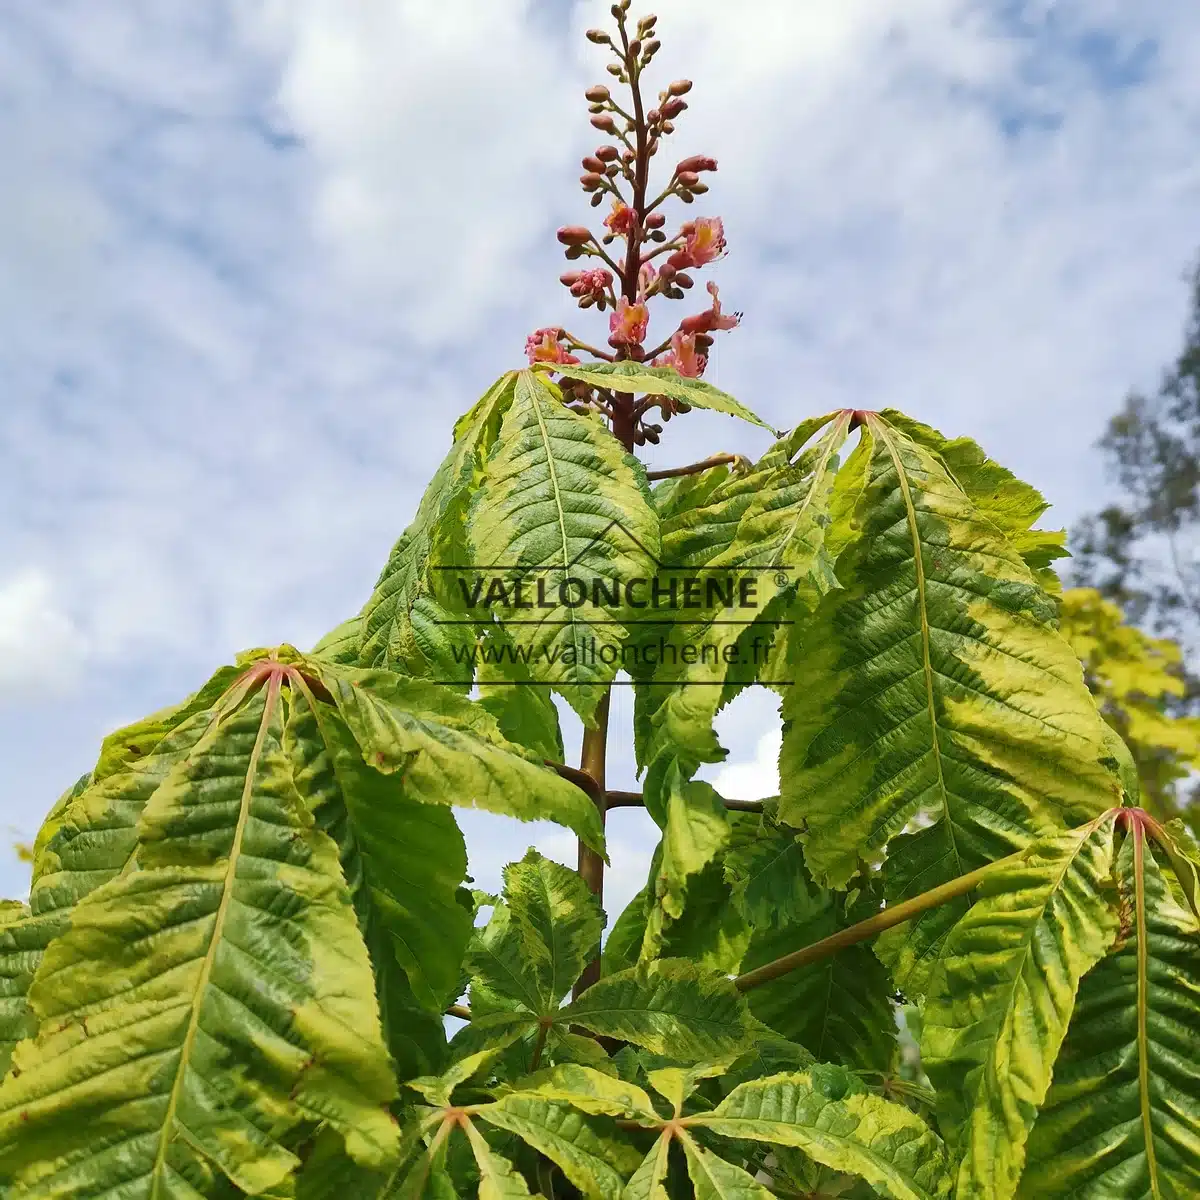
448	750
204	1008
562	508
696	830
716	1179
23	938
671	1007
771	563
634	377
525	713
648	1181
498	1178
838	1008
592	1160
405	622
999	1004
559	919
938	698
404	861
1009	503
591	1091
1123	1114
342	644
821	1112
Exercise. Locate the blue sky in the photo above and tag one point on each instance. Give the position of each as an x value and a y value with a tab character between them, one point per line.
255	258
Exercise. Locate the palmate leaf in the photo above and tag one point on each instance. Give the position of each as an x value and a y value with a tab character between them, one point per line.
639	378
342	644
182	1029
406	624
999	1004
825	1113
1123	1114
938	697
715	1179
525	713
563	509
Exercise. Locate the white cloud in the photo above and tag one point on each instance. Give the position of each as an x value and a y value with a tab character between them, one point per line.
40	646
255	259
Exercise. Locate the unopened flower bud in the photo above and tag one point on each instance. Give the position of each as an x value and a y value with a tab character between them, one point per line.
657	235
703	341
597	199
612	170
574	252
592	163
666	272
668	127
648	21
680	405
673	107
652	432
654	116
652	48
627	156
655	220
617	10
606	153
597	36
574	235
591	181
605	123
597	108
697	162
684	281
698	189
680	87
652	149
686	197
597	92
614	69
689	179
587	300
570	278
635	48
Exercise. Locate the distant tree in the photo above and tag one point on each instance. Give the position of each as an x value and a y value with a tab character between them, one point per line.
1136	561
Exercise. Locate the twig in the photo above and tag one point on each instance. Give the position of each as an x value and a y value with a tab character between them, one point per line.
636	800
717	460
590	864
459	1010
580	778
896	914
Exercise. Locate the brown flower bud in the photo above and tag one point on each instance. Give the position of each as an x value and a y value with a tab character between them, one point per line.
655	220
697	162
597	92
652	149
654	116
668	127
570	278
618	10
635	48
666	272
652	48
680	87
597	199
689	179
592	163
614	69
587	300
680	405
703	341
591	181
657	235
686	197
574	235
627	156
673	107
597	36
605	123
612	170
652	433
648	21
684	281
606	153
573	252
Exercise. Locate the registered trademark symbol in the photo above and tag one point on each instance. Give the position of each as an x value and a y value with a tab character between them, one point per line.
781	579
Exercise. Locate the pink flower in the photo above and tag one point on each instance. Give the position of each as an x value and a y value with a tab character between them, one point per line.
621	220
713	319
627	324
682	356
704	241
543	345
646	278
593	283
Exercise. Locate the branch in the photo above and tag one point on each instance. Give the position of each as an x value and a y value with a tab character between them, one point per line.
581	779
717	460
459	1010
635	800
591	864
896	914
